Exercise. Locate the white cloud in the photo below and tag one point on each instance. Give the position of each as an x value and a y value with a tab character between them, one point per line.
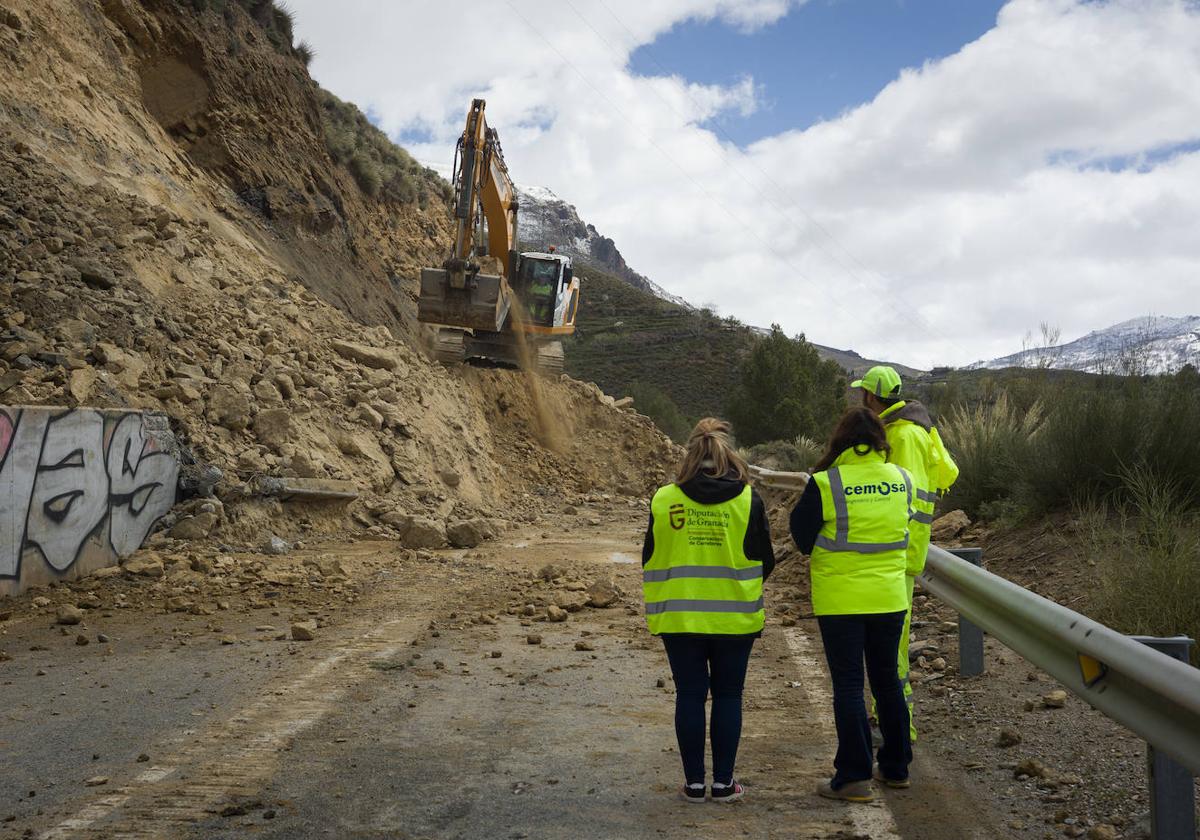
970	200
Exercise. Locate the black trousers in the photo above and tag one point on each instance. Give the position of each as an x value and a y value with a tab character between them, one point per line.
698	664
848	640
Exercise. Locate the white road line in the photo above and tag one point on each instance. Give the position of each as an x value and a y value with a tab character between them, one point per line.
98	810
278	722
874	820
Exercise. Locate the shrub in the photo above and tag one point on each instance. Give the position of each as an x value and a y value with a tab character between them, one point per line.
1076	443
366	174
382	169
991	445
305	52
1147	552
789	456
660	408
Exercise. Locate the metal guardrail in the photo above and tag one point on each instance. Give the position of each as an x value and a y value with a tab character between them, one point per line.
1146	691
775	480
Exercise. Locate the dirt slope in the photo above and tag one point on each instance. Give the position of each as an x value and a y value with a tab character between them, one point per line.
175	235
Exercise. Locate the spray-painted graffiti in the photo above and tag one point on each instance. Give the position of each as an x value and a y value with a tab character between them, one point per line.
79	489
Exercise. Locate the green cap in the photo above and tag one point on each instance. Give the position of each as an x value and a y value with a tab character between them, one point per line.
881	380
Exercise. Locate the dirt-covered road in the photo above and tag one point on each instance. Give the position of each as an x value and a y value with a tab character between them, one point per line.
431	707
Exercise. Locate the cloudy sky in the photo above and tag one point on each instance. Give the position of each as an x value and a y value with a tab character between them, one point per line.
919	180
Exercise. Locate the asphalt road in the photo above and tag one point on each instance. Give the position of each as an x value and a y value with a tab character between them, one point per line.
423	712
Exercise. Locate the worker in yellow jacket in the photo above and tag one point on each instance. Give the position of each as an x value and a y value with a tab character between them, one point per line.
917	447
706	554
853	520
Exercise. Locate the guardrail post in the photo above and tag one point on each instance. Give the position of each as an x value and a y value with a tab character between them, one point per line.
970	636
1172	791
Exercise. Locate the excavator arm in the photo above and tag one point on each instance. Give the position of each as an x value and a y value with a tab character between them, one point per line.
461	293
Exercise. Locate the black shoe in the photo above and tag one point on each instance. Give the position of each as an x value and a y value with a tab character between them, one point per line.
693	793
731	792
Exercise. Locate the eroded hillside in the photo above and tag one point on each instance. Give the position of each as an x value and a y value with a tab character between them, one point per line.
175	234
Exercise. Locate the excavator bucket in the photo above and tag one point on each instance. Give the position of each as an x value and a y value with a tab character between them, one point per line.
482	303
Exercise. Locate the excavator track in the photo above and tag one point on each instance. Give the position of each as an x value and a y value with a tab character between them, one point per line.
449	346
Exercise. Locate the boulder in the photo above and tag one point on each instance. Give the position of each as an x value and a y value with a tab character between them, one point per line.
371	357
196	527
229	408
68	614
273	427
571	601
469	532
275	545
603	593
304	631
424	532
950	525
144	565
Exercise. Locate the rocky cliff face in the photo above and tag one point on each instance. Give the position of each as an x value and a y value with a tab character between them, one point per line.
174	235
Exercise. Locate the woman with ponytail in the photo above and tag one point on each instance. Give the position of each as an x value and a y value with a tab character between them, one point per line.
706	554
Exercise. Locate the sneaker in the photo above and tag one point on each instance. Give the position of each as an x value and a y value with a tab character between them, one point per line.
898	784
849	792
731	792
693	793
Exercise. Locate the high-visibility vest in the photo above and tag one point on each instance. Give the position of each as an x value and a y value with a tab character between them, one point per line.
923	454
858	562
698	579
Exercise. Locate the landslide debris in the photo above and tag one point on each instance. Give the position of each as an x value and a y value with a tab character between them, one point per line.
175	235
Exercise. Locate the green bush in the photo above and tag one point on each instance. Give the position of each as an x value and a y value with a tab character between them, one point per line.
1147	552
660	408
789	456
366	174
305	52
381	168
784	390
991	444
1076	443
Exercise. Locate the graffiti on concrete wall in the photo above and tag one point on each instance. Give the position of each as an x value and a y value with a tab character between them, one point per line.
80	480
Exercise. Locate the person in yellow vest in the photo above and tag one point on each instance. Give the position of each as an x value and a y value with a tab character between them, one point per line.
706	553
916	446
852	520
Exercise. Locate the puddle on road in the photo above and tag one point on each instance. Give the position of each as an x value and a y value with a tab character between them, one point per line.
619	557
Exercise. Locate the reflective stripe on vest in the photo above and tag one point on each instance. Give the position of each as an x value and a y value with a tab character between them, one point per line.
698	579
841	540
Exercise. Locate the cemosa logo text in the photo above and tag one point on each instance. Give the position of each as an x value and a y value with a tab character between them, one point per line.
678	517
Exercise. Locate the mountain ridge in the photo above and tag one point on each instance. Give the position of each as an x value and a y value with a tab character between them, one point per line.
546	219
1150	344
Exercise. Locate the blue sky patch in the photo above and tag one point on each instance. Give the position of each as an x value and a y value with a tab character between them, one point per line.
820	60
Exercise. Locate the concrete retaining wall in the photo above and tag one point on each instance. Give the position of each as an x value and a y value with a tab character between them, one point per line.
79	489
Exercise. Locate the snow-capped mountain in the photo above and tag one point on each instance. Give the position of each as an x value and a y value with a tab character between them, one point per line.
1152	344
544	219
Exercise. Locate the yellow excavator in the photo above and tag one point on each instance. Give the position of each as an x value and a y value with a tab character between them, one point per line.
489	302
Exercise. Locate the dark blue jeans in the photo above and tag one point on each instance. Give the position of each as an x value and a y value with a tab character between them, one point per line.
699	663
848	639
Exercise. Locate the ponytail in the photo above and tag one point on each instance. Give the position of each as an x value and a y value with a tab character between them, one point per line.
710	450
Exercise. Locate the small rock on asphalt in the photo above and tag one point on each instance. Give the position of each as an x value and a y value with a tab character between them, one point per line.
303	631
68	614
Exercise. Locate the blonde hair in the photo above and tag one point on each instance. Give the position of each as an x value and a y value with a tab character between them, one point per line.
710	449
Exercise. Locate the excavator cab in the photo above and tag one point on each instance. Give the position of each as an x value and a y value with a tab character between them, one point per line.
543	286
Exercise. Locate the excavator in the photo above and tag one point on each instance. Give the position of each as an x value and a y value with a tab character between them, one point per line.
488	302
